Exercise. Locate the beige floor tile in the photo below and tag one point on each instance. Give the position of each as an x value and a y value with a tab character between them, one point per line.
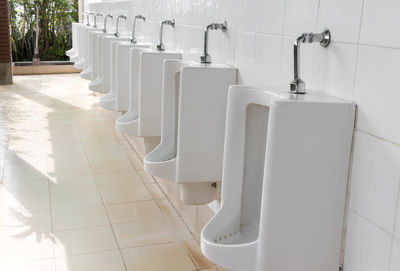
100	261
144	233
120	193
17	223
10	203
121	187
194	251
155	191
87	240
26	173
167	208
69	164
111	166
21	248
137	163
133	212
24	160
126	178
27	187
165	257
100	143
40	265
146	177
79	218
181	230
74	193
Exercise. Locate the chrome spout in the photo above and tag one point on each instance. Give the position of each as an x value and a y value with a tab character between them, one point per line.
105	22
137	17
88	18
117	25
95	16
298	86
206	58
160	45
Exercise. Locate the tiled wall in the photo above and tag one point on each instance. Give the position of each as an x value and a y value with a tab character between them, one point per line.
361	64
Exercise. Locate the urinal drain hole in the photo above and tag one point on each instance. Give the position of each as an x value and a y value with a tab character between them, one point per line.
218	239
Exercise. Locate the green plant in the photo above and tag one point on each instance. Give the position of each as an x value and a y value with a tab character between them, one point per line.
55	17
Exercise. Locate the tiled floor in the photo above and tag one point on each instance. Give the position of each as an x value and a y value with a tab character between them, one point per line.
73	194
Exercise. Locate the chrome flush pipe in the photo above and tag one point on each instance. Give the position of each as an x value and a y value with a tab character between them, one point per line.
160	45
298	86
88	18
206	58
105	22
117	25
137	17
95	16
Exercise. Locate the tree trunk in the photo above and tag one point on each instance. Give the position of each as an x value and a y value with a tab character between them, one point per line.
36	58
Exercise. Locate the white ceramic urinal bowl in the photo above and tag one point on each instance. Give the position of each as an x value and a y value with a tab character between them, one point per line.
106	67
286	163
120	52
122	73
80	63
145	95
73	51
193	128
87	73
97	57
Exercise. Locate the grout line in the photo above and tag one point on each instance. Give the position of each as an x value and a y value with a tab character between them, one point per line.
104	206
157	183
378	137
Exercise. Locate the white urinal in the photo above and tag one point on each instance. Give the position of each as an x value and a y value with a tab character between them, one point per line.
286	163
87	73
193	128
73	51
120	52
145	91
80	64
123	51
97	84
107	66
96	60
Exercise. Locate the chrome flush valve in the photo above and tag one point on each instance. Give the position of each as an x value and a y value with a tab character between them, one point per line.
298	86
95	16
205	57
88	18
160	45
117	25
105	22
137	17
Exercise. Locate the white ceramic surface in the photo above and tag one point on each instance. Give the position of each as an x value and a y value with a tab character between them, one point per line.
286	163
117	99
144	116
87	73
193	127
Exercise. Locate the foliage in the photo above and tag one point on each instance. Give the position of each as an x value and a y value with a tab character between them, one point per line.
55	17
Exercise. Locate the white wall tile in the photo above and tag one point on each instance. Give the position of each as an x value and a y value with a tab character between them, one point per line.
271	16
300	16
377	92
334	69
367	247
267	60
380	21
244	56
375	180
342	17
